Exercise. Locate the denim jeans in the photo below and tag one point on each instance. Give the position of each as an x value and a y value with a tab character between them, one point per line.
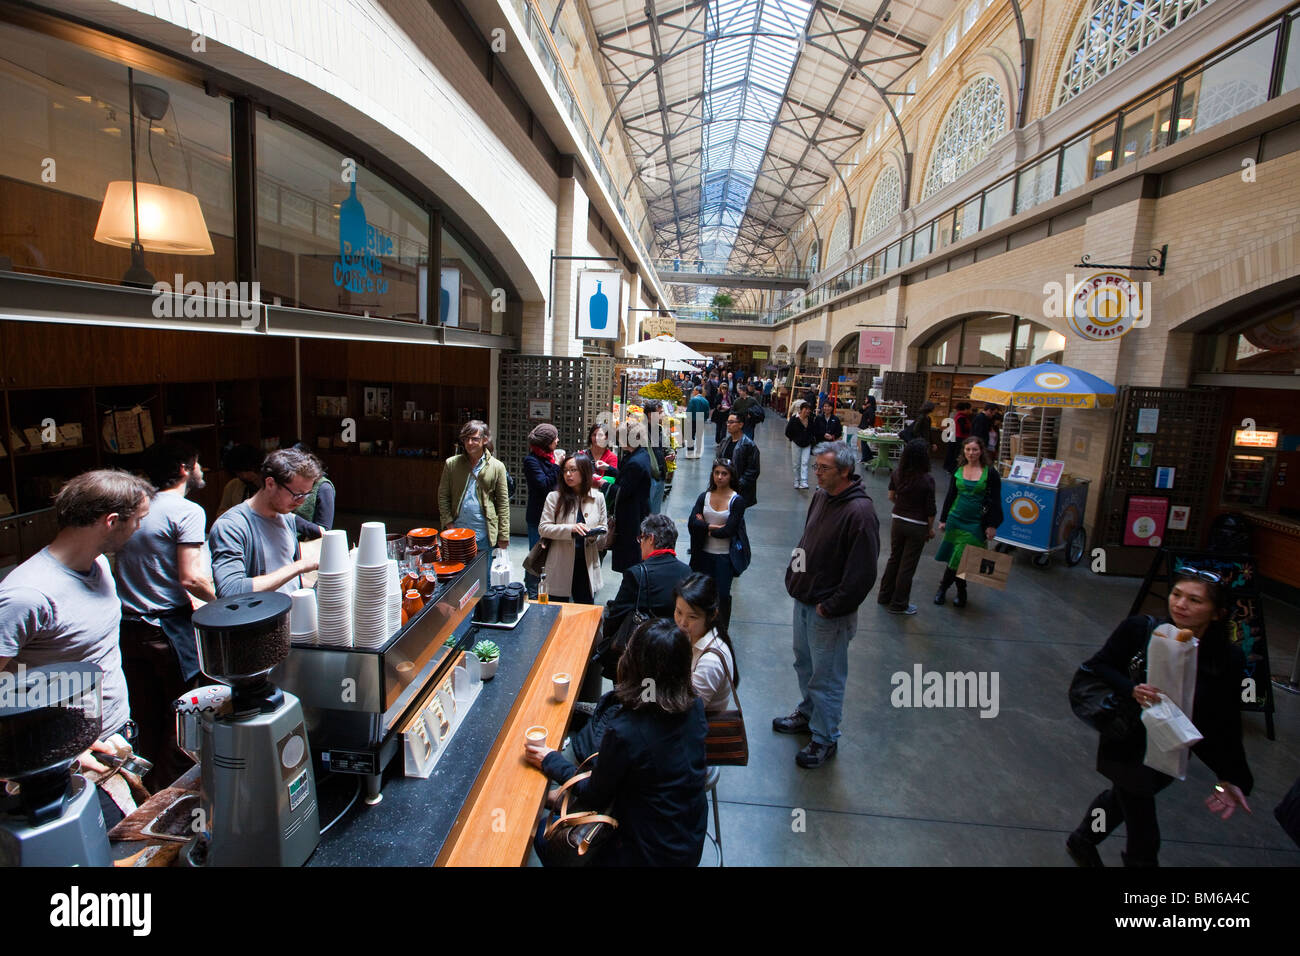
821	662
530	580
799	461
656	495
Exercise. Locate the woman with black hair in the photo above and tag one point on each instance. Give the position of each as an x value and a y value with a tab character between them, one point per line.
719	541
650	770
911	489
571	510
1198	601
961	419
972	511
713	657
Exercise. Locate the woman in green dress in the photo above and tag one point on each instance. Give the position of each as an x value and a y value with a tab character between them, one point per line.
971	514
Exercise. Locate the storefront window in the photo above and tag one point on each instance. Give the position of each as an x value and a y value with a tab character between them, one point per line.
464	280
1233	85
66	149
1291	72
331	234
943	351
987	341
1036	343
1269	347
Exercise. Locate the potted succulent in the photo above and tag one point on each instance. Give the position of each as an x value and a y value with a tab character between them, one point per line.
489	656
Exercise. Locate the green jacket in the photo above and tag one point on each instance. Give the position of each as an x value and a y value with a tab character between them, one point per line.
493	494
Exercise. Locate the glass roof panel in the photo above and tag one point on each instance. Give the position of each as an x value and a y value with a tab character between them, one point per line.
745	77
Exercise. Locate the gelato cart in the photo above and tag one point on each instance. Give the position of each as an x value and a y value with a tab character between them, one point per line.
1044	519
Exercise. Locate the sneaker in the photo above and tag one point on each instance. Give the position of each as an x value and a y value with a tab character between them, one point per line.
796	723
910	609
1082	852
814	755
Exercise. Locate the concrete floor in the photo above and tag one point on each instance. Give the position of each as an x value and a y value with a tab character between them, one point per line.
933	787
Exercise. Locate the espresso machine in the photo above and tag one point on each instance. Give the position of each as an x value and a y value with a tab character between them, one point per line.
257	804
49	815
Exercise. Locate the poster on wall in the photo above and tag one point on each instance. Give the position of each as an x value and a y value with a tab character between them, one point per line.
1144	521
1148	421
449	298
1142	453
1179	516
600	304
875	348
1165	477
817	349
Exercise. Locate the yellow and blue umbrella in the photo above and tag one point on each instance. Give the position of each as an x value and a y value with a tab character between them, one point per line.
1047	385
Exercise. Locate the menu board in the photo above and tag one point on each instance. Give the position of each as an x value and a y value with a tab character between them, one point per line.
1050	473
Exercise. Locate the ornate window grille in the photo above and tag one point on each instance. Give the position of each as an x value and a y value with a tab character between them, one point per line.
975	121
885	204
1111	31
838	243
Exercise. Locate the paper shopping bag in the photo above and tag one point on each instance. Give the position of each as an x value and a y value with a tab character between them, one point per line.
986	567
1171	666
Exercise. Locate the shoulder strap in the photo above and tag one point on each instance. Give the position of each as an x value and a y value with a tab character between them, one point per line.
727	673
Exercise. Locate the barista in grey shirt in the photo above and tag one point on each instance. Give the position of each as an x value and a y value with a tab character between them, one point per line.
60	605
254	545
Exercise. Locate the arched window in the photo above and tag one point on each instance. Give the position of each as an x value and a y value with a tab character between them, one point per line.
814	256
838	243
975	121
1111	31
885	204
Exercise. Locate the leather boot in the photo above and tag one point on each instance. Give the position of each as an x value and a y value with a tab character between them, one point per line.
960	599
949	576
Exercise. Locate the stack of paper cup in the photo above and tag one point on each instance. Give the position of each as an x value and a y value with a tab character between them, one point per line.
334	591
370	599
302	619
394	598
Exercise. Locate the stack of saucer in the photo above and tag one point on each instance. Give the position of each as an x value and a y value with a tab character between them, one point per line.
334	591
302	619
370	602
458	546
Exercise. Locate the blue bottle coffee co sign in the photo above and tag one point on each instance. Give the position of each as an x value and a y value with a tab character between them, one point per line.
599	304
361	246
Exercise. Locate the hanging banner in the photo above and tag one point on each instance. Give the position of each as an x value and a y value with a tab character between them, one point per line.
875	348
817	349
656	325
600	304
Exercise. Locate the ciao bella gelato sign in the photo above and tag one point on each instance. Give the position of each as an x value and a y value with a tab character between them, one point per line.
361	246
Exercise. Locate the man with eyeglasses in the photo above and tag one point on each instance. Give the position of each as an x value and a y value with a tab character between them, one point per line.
254	545
830	574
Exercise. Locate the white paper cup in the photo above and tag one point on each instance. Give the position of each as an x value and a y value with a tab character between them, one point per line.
535	735
302	619
334	552
373	547
560	687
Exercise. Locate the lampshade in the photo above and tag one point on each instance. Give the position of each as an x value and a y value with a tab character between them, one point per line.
170	220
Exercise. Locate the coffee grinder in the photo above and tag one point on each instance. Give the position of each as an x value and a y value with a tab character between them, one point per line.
258	792
49	815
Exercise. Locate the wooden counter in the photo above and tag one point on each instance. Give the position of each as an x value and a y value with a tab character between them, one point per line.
1277	546
495	826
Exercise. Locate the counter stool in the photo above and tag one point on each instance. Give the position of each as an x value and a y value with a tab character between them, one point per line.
711	785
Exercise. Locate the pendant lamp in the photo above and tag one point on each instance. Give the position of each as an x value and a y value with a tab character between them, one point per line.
144	216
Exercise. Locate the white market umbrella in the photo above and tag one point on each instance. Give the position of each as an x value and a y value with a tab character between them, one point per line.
665	348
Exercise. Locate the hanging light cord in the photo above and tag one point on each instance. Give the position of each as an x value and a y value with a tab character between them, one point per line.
135	199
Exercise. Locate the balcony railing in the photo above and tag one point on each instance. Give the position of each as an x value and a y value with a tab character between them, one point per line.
724	267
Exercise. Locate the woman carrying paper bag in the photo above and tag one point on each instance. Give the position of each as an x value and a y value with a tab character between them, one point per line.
1197	602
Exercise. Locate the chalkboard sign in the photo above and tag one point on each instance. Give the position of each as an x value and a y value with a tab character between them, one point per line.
1245	617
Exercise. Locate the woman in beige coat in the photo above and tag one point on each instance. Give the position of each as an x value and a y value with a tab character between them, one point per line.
573	573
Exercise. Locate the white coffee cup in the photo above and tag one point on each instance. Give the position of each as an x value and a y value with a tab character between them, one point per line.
302	618
373	545
334	552
535	736
560	686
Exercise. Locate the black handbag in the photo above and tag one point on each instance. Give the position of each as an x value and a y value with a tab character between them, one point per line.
1096	703
611	646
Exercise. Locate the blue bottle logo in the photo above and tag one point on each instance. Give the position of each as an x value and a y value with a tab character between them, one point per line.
361	245
598	308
